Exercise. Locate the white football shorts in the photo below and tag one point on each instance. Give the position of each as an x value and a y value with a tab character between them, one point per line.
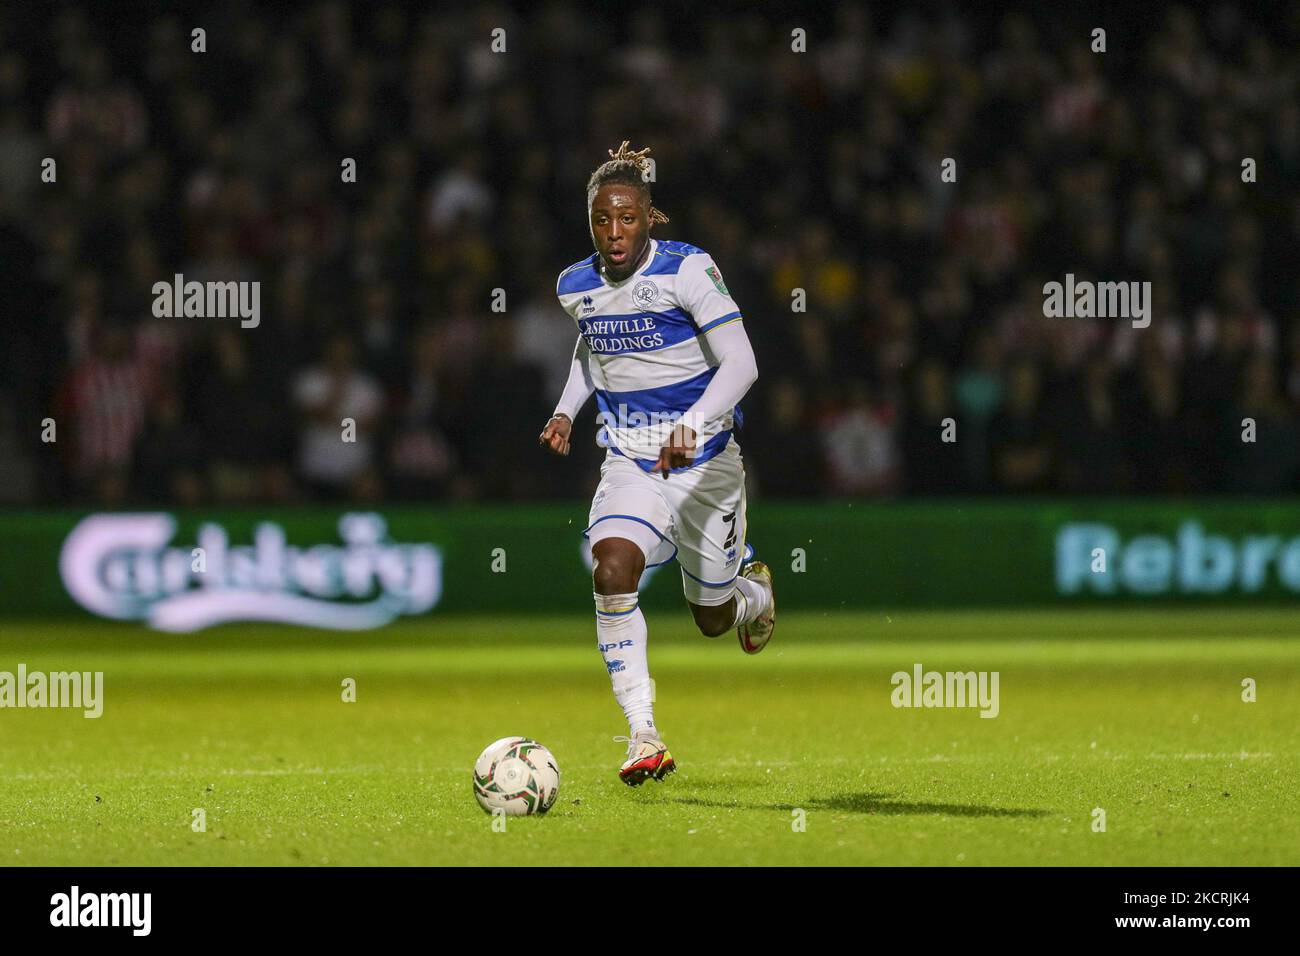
696	515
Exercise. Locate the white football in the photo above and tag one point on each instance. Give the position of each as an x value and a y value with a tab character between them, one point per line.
516	776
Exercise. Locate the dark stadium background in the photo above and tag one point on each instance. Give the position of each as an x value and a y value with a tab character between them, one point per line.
310	641
818	171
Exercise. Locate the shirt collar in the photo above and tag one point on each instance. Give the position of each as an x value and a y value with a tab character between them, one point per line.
600	267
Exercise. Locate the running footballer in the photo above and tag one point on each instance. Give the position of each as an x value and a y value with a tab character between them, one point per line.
662	345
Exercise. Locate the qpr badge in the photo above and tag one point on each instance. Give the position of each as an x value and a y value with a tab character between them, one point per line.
645	293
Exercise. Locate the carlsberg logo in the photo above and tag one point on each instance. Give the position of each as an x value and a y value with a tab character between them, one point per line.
121	566
1094	559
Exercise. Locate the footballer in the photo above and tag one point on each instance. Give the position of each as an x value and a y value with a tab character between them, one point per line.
662	345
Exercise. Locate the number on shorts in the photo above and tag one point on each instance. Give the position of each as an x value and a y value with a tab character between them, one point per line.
731	538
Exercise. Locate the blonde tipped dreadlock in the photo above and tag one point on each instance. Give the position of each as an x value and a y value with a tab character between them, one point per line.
626	167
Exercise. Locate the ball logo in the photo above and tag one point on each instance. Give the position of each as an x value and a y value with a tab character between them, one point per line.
645	293
120	566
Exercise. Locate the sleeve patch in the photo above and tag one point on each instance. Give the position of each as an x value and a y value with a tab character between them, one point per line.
713	273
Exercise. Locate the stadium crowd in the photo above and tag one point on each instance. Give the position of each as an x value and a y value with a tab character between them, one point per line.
816	171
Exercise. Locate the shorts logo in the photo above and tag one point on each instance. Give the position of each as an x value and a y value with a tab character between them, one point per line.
645	293
614	666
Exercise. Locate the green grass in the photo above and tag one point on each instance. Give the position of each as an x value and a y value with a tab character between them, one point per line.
1137	713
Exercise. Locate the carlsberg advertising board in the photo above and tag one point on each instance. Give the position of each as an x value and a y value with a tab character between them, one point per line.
129	567
331	570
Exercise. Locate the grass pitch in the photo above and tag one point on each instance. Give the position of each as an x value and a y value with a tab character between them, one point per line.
1137	713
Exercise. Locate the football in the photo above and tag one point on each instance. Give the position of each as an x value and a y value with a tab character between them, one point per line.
517	776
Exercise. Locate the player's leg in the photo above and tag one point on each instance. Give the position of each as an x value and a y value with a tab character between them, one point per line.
621	628
710	517
749	606
626	520
714	620
622	637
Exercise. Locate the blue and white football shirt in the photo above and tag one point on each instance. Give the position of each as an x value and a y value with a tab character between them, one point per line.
650	357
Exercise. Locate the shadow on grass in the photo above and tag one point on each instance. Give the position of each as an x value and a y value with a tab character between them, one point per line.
725	786
879	803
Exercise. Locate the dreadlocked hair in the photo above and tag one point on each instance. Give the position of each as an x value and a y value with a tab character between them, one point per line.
626	167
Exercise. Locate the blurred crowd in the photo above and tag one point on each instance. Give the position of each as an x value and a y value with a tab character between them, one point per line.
816	171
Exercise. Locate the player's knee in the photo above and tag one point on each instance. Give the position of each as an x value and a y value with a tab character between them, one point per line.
616	566
713	621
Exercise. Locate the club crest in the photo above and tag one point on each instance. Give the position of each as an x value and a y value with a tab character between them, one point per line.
645	293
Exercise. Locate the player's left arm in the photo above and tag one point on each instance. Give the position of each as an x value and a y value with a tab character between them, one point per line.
718	319
737	371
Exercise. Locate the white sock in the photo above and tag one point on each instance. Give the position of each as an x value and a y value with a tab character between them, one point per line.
751	601
621	633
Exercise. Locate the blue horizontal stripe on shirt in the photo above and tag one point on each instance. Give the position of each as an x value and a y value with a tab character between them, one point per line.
666	400
666	328
673	316
709	449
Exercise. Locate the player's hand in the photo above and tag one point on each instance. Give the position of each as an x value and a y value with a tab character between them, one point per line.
555	436
677	451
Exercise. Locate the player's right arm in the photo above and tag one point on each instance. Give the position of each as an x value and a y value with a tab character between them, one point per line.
578	388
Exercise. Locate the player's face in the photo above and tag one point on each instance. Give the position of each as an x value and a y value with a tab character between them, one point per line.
620	224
